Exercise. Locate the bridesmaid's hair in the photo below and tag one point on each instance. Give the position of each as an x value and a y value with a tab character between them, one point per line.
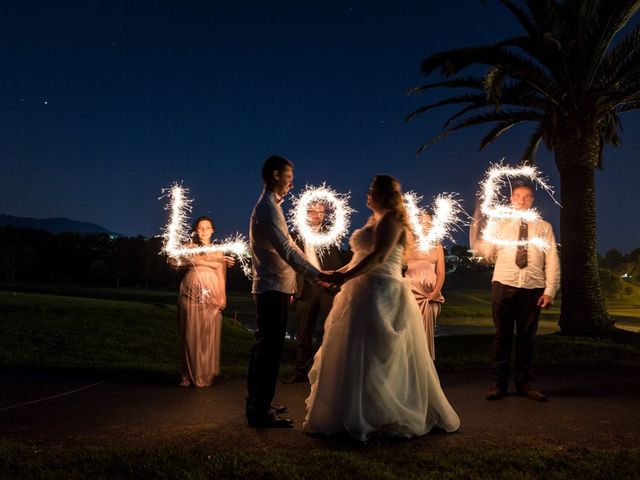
196	238
275	163
387	192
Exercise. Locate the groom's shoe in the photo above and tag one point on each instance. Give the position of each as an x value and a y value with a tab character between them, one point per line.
278	408
295	377
528	390
496	392
270	421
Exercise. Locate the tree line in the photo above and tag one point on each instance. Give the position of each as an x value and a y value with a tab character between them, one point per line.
38	257
96	259
616	267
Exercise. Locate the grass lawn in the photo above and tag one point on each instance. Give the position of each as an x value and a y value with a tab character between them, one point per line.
50	331
472	309
385	460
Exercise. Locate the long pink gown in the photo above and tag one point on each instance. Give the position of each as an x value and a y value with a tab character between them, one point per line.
421	273
202	299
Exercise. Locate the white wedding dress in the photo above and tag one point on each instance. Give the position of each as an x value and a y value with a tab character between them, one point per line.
373	372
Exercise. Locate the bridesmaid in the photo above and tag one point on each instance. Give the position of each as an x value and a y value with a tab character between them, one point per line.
200	304
425	271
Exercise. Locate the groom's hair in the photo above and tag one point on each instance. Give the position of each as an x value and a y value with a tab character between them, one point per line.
275	163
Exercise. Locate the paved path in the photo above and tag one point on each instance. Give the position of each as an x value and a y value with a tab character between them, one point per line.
589	406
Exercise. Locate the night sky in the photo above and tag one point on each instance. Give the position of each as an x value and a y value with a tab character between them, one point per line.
103	103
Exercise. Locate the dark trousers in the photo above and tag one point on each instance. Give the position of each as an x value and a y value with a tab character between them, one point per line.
315	300
514	305
266	352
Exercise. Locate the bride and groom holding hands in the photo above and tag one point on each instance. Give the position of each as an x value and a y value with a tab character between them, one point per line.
373	372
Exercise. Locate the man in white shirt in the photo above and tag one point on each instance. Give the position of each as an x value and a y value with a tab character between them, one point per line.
525	280
275	260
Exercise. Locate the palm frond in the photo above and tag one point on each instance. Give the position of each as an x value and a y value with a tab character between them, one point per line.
460	113
628	107
610	128
623	97
462	82
506	116
493	81
495	132
539	50
515	66
510	98
546	51
545	14
523	17
452	62
531	150
609	19
622	58
475	99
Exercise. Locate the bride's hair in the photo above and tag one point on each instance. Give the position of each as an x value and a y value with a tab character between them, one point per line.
386	191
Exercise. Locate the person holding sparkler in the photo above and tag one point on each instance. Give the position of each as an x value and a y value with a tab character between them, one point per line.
373	373
426	271
312	300
525	280
200	304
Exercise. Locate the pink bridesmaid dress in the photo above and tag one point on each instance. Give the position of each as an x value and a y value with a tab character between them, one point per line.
202	299
421	273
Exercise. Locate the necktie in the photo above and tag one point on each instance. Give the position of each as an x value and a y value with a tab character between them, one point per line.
521	252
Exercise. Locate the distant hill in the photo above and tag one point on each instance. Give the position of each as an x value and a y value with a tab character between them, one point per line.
53	225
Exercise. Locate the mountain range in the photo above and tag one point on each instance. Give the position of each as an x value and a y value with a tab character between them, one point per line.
54	225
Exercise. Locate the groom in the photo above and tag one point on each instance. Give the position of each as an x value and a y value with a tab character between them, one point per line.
276	259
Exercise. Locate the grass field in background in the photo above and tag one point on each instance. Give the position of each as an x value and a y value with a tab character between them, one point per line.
53	331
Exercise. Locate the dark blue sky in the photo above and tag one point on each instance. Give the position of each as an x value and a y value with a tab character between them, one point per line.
103	103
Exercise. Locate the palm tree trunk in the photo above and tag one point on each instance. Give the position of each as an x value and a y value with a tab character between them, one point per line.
583	311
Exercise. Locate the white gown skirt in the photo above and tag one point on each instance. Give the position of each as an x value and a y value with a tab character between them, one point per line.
373	372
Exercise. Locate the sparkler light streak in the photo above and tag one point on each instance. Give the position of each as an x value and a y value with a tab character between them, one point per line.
446	217
339	215
495	206
176	234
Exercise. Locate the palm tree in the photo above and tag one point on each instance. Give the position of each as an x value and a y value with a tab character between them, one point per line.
565	74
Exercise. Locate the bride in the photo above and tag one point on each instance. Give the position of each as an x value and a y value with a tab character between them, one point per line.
373	372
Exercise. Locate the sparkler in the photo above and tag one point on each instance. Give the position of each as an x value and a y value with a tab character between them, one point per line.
339	214
176	234
446	217
494	205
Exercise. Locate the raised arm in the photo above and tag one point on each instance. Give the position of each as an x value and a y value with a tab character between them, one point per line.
479	246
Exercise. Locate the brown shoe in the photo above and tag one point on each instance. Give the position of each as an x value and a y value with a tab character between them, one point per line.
496	392
531	393
278	408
